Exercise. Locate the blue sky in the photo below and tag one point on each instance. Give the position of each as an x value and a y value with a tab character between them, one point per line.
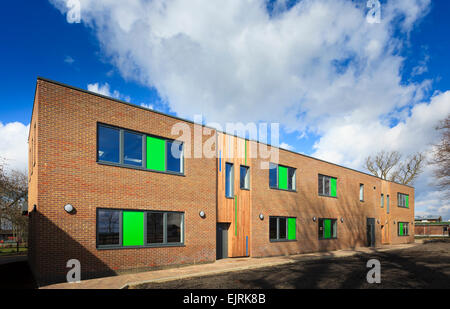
37	40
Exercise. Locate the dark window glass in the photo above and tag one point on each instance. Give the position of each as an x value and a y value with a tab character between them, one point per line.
273	228
132	148
174	227
273	175
282	228
326	188
291	178
155	228
108	144
108	227
229	180
321	184
245	178
327	228
174	157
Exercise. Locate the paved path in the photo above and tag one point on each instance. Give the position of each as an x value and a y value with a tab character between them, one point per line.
220	266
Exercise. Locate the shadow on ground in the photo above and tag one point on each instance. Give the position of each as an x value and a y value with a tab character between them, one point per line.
16	275
422	266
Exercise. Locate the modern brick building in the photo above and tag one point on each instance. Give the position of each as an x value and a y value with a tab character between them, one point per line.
142	199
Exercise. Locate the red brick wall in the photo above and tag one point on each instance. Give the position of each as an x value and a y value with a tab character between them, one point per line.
306	204
431	230
68	173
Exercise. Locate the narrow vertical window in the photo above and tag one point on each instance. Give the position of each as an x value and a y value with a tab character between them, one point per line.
291	178
155	228
387	203
108	144
108	227
361	192
273	228
133	228
174	153
132	148
245	177
282	228
382	200
229	180
273	176
156	154
174	226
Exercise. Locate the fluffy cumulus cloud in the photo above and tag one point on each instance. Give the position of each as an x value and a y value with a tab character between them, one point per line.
14	145
105	90
318	67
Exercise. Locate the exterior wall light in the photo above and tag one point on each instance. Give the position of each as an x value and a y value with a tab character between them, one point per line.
394	222
378	221
342	220
314	219
69	208
261	216
202	214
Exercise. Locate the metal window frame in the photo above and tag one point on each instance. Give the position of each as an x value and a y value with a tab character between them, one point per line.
401	200
294	180
333	224
361	192
405	224
278	239
324	178
181	156
143	167
145	245
231	180
247	175
276	174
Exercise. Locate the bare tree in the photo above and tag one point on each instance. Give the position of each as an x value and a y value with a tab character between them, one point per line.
389	166
441	157
13	198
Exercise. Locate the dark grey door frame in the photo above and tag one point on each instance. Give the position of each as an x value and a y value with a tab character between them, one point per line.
371	232
222	240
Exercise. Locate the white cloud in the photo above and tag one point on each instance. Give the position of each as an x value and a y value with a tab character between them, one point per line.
287	146
14	145
148	106
318	67
106	91
69	60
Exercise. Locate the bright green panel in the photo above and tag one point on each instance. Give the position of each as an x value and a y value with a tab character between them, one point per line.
333	187
400	229
133	228
282	177
407	201
156	154
292	231
327	228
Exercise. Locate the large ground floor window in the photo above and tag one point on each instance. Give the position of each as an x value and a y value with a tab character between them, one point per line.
130	228
403	229
327	228
282	228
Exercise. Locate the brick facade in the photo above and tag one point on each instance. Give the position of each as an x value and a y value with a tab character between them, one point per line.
63	169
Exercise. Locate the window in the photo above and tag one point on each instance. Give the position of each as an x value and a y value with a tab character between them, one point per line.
132	148
327	186
129	228
108	227
282	177
125	148
108	144
327	228
403	200
361	192
403	229
282	228
245	178
387	203
382	200
229	180
175	157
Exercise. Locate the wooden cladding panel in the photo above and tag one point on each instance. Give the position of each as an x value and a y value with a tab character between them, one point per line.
236	210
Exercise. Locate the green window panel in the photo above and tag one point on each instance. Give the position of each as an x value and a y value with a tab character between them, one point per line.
407	201
156	154
327	228
333	187
400	229
133	228
292	231
282	177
